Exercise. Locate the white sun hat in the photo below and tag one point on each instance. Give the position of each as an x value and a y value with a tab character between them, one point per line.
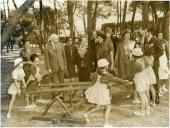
137	52
102	63
52	36
17	61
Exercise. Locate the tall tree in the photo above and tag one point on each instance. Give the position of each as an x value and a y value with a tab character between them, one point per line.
120	11
56	17
14	20
117	15
134	7
145	14
89	20
70	7
124	15
8	9
95	15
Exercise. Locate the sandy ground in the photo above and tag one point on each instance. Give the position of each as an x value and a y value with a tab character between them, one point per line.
121	113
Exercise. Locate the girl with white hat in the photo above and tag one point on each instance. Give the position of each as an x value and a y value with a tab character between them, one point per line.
141	81
18	76
99	93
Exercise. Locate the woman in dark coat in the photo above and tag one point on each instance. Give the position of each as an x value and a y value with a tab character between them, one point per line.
83	60
124	53
70	50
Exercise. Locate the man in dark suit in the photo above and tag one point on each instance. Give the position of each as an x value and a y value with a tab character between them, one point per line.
55	58
157	52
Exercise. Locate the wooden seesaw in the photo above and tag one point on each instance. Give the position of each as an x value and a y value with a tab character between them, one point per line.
61	87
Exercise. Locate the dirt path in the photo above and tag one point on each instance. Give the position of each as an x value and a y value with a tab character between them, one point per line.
121	114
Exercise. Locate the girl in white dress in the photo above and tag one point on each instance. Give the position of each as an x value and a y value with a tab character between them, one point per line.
99	93
141	81
18	76
148	58
163	71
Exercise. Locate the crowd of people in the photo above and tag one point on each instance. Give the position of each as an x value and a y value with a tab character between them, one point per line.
141	58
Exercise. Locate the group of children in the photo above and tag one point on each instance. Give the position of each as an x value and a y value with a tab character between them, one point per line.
143	77
31	83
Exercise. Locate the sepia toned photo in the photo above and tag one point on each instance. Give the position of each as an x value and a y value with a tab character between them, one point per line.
85	63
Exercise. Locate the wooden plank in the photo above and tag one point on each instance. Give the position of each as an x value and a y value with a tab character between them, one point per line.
66	84
70	88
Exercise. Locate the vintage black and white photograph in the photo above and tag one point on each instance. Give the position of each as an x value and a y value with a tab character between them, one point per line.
85	63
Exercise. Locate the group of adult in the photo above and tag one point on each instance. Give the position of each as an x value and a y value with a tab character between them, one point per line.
79	57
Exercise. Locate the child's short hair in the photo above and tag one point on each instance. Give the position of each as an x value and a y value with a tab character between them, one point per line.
33	56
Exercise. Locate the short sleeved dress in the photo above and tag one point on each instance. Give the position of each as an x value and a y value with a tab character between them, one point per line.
17	74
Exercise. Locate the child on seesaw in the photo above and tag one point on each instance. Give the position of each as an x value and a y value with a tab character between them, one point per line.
99	93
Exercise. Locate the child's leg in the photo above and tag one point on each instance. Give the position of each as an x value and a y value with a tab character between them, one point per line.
146	102
98	107
11	105
86	115
107	113
27	99
142	97
165	83
148	95
128	91
153	93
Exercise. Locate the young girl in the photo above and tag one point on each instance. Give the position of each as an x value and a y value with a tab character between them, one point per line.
18	76
33	80
141	82
148	58
99	93
163	71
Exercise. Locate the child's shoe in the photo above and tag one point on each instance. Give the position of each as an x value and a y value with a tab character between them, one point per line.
164	89
153	104
160	95
147	113
136	101
8	115
107	126
139	113
128	96
86	118
34	105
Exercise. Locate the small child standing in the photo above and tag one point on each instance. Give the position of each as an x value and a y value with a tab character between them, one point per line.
141	82
99	93
33	81
14	89
163	71
148	58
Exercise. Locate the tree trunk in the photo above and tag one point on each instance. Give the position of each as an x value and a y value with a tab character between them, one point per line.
4	11
84	23
41	27
70	6
155	17
89	20
95	15
145	14
120	9
22	28
56	17
8	9
14	20
117	16
124	15
133	16
165	24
